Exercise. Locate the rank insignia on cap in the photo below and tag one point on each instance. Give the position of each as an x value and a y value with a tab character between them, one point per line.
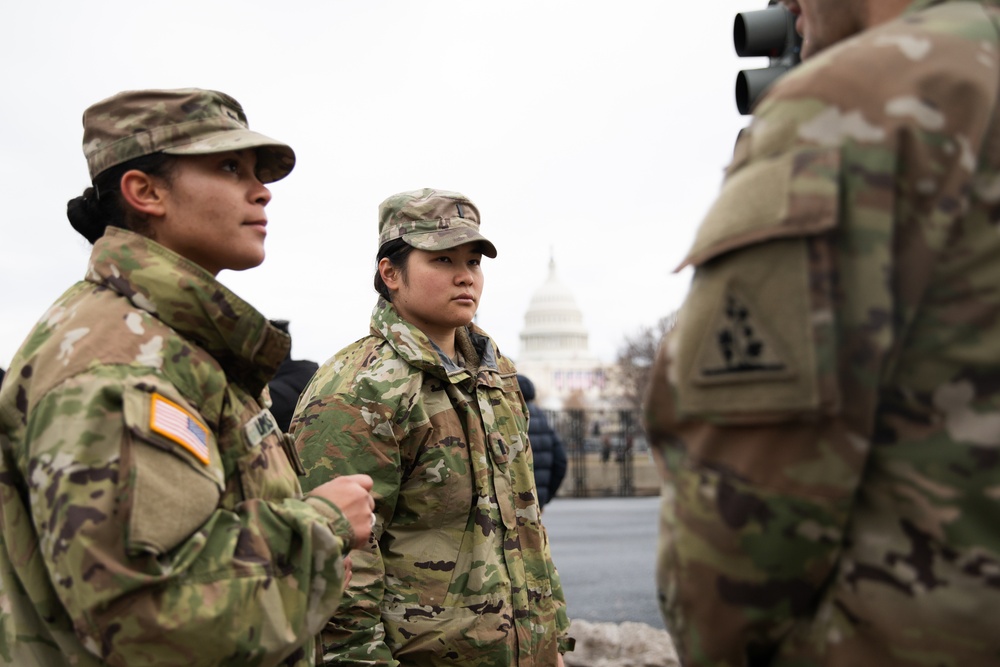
175	423
740	347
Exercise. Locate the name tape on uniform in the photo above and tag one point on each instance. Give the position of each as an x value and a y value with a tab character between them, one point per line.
260	427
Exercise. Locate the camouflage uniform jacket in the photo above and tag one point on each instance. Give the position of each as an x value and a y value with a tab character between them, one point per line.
459	572
150	512
827	409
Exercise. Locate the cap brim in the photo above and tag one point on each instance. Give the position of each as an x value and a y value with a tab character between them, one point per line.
275	160
443	239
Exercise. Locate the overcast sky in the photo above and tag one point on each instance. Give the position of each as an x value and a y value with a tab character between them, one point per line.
592	131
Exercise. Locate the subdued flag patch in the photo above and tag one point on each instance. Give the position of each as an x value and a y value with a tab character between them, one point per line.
174	422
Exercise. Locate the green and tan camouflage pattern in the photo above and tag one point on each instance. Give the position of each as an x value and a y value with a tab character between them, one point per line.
118	546
431	219
184	121
827	410
458	571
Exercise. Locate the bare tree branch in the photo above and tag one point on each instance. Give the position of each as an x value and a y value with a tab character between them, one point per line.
635	359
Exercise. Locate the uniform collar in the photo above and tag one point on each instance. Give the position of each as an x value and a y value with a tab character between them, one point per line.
192	302
414	347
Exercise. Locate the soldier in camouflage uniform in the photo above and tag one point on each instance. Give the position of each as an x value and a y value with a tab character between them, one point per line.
459	570
150	513
827	409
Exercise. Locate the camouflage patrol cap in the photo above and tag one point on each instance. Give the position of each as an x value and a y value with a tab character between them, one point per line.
431	219
186	121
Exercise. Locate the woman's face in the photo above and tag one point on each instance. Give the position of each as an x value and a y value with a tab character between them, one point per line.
214	211
439	290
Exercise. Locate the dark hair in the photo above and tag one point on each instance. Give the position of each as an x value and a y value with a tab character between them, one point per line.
397	251
102	206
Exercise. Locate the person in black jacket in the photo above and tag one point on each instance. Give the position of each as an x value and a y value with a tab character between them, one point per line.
546	446
292	377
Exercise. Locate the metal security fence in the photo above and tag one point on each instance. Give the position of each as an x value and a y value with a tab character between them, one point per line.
608	454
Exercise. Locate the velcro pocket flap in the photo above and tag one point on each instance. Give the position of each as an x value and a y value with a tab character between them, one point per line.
790	195
172	472
754	340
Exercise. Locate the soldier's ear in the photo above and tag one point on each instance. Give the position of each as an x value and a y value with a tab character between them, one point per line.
144	193
391	276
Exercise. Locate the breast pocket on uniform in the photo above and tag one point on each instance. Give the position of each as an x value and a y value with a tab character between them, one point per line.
755	338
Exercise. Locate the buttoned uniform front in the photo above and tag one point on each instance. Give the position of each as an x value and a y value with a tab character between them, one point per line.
827	410
459	570
151	514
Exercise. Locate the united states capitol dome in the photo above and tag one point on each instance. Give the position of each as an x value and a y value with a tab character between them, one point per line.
553	324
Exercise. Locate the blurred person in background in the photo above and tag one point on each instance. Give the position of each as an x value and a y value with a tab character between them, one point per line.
288	382
547	448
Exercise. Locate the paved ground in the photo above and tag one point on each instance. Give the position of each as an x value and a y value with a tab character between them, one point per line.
605	550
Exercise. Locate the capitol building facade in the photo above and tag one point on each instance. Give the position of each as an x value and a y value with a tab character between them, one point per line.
555	354
608	454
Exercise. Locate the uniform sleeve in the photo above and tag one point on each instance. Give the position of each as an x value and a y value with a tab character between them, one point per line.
560	622
564	642
336	434
752	524
149	567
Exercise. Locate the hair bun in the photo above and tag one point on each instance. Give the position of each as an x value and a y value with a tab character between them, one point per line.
84	215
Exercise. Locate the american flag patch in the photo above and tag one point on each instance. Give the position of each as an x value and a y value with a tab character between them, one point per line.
174	422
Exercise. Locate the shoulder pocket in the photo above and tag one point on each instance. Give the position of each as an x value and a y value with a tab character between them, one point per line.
172	474
754	339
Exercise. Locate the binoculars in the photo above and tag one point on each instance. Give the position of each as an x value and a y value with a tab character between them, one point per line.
769	32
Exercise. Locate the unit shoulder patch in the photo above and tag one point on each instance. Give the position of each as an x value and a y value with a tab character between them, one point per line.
740	346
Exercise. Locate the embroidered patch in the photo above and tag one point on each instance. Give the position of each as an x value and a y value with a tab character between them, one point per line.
260	427
740	347
174	422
